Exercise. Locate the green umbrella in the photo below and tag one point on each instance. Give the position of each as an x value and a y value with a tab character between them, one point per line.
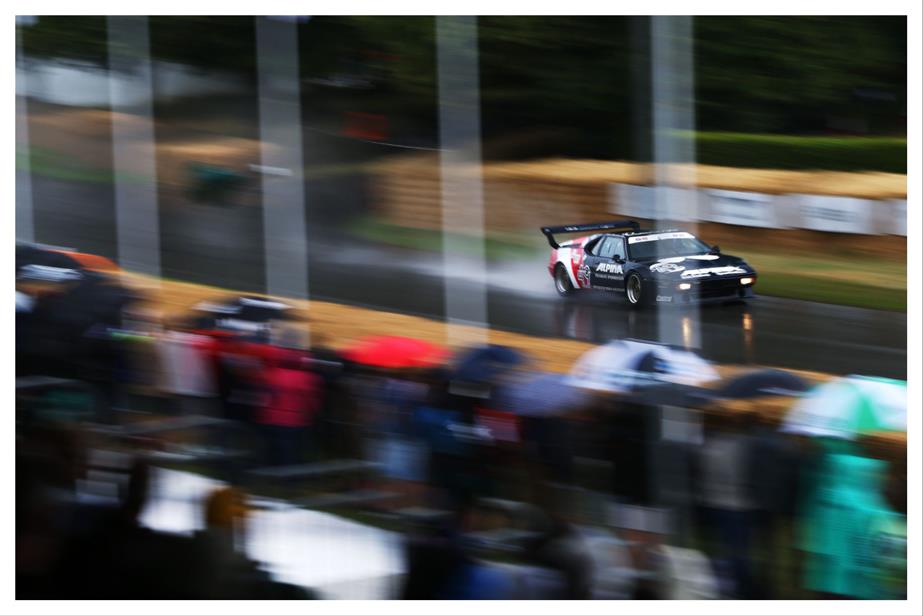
850	406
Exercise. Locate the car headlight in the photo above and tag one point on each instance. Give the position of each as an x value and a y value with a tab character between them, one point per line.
746	280
684	286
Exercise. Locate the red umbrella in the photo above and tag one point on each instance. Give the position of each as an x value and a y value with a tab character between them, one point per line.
91	261
395	352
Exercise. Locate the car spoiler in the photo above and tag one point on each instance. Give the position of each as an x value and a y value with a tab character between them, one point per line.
596	226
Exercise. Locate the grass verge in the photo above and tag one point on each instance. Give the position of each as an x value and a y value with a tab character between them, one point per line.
57	166
832	279
497	246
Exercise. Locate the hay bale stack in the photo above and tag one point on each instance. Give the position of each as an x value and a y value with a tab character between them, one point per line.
559	191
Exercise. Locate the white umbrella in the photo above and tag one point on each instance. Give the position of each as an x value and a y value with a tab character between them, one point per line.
849	406
622	366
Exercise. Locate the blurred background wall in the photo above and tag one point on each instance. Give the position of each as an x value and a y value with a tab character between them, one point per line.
803	119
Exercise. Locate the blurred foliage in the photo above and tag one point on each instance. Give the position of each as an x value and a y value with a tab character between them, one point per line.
570	85
224	43
80	39
790	74
796	152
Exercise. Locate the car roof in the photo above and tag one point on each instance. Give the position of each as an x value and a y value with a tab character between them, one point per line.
648	232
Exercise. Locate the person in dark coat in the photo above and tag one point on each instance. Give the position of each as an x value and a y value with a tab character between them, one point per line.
438	566
631	434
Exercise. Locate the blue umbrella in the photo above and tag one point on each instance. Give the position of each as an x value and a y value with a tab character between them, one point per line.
485	363
763	383
541	394
756	384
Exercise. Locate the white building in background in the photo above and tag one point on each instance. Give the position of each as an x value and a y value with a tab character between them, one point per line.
84	84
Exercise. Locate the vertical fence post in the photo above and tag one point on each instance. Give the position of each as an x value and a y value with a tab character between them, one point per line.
285	235
675	202
134	162
25	223
464	265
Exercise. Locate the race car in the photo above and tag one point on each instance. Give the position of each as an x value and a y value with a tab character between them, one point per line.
668	266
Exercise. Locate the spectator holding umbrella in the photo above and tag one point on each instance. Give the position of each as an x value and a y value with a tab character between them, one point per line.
772	463
453	442
540	403
849	531
392	384
726	496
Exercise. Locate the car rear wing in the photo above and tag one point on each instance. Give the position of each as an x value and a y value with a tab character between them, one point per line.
596	226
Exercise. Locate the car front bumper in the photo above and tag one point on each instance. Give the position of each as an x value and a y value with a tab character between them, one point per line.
700	291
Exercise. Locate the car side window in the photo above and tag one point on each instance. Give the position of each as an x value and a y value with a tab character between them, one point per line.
592	246
618	248
608	247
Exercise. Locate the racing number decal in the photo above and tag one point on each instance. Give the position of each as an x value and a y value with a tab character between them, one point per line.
583	275
577	266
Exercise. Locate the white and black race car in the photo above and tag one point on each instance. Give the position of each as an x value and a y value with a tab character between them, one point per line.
669	266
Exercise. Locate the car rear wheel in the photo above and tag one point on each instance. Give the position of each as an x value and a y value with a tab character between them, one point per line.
634	291
562	282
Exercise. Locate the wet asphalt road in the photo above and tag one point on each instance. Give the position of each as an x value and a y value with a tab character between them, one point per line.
223	246
766	330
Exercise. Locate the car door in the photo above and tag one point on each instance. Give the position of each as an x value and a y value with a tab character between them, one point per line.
607	263
619	253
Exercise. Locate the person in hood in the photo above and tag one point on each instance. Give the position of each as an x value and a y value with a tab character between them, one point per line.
292	396
849	531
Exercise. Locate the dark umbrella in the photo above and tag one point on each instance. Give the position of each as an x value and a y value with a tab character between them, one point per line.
32	255
756	384
93	300
260	309
33	263
53	264
71	329
240	313
485	363
764	383
541	395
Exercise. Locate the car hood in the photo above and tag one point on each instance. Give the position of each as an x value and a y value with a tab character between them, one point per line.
696	267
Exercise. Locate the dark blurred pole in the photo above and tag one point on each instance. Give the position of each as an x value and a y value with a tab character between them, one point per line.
640	30
673	102
25	225
134	163
284	226
462	187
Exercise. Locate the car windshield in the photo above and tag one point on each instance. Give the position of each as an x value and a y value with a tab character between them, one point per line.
667	247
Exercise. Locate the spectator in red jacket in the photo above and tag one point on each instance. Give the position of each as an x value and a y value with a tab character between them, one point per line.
293	395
